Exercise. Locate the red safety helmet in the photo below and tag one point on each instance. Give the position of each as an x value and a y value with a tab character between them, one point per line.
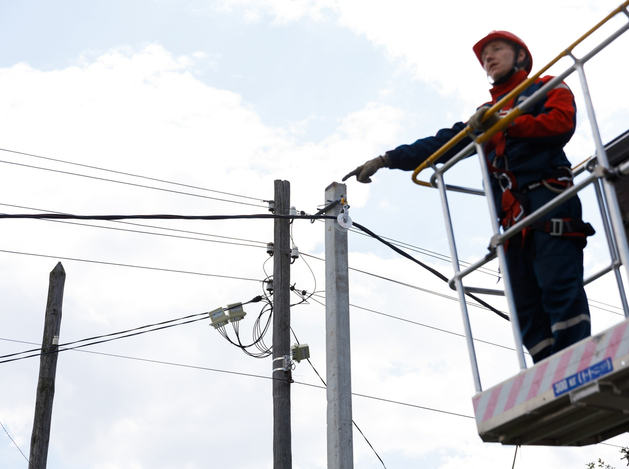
505	36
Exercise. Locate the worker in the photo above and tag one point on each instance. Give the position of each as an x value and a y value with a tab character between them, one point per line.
529	168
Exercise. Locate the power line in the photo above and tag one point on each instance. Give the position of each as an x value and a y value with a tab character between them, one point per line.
408	285
127	174
259	244
428	252
11	438
605	309
100	339
393	401
159	269
353	422
431	327
419	324
429	269
250	375
142	186
270	378
64	216
67	216
263	244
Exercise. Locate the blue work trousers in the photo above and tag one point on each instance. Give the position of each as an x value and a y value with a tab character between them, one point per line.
546	275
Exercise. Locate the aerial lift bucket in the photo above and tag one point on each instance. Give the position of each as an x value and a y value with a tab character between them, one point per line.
580	395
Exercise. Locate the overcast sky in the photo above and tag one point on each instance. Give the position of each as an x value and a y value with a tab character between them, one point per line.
225	97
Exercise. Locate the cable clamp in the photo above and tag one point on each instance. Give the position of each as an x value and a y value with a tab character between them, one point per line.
343	218
286	362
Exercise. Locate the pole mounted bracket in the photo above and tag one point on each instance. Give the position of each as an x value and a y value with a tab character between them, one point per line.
285	362
331	204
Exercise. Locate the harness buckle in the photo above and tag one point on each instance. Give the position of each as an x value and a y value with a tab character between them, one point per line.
556	227
504	181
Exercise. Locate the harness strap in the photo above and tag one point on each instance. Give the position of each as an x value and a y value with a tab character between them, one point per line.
558	181
564	227
515	205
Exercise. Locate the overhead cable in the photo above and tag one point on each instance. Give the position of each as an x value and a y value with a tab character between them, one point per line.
100	339
117	264
429	269
391	316
141	225
11	438
127	174
250	375
429	253
56	216
353	421
143	186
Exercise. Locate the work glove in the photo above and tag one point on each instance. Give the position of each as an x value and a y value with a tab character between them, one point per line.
476	121
364	172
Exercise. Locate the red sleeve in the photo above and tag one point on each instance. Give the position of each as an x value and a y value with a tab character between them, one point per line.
557	116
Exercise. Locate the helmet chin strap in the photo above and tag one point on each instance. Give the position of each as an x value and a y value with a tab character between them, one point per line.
504	78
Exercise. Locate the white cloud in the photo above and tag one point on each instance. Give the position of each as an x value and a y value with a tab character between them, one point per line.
144	111
434	40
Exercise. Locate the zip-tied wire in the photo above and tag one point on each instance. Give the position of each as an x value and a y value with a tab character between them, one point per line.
56	216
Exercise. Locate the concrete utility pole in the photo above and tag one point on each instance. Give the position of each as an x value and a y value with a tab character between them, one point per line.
47	371
282	376
339	391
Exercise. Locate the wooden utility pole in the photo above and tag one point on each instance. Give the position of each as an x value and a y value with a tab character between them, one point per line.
282	376
47	371
338	360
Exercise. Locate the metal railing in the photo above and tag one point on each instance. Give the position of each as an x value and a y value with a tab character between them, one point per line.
605	193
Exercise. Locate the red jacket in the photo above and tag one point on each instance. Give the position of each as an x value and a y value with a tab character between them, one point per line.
531	147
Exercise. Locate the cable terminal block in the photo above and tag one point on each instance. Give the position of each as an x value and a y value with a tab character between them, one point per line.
236	313
300	352
219	318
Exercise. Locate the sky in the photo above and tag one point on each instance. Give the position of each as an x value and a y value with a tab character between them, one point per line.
196	108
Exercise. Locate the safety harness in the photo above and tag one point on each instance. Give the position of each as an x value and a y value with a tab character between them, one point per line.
516	206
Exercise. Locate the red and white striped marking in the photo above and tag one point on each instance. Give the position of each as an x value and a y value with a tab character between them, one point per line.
530	383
